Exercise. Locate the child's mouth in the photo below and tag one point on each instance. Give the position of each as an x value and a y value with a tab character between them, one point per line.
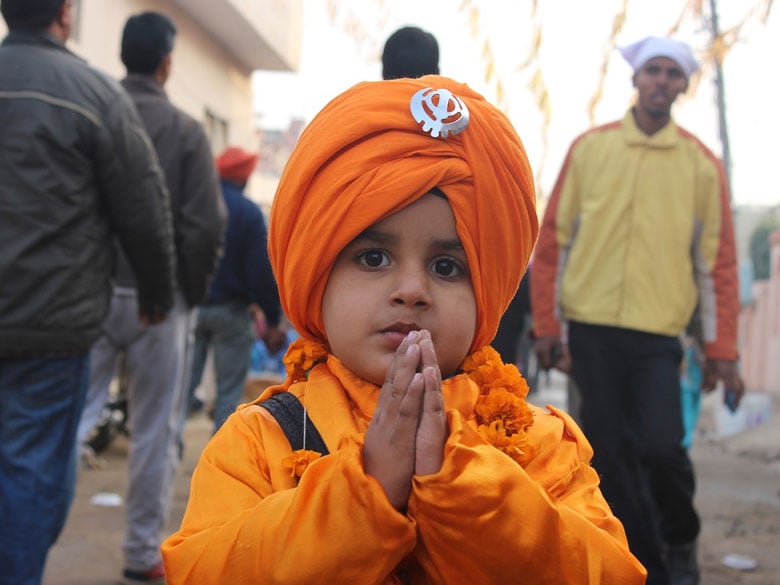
397	332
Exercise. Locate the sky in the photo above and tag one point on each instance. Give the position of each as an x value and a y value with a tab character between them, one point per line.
342	43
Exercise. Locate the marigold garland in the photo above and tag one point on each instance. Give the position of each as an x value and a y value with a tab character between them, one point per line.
301	357
299	460
503	414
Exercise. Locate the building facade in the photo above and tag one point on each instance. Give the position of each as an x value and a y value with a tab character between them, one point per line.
218	45
760	329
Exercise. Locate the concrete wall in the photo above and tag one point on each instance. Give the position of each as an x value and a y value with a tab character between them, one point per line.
204	77
759	324
209	80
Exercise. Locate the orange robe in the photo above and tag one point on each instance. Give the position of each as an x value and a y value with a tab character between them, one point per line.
481	519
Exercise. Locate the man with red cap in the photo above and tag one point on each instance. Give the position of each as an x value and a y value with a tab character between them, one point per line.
400	230
243	288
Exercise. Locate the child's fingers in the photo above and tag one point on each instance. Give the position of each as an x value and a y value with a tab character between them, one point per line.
432	431
431	373
389	446
428	359
433	401
394	424
399	375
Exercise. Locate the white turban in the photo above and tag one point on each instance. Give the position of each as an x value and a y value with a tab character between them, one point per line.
639	53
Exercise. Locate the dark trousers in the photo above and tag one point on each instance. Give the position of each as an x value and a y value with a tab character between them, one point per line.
631	413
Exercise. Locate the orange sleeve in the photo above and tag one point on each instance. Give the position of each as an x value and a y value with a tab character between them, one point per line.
244	524
547	256
725	280
485	520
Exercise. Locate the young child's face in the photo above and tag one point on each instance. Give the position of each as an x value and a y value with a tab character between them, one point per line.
407	271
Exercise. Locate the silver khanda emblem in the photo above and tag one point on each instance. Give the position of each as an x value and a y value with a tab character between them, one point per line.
440	112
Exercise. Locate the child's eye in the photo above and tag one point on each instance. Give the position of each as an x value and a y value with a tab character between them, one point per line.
373	258
448	267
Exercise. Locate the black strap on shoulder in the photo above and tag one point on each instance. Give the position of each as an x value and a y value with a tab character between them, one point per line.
288	412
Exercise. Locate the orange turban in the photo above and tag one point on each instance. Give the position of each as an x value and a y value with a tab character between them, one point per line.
236	164
364	157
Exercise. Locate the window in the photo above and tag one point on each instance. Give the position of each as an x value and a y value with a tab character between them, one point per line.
217	131
75	27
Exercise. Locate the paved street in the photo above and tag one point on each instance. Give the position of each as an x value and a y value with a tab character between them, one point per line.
89	550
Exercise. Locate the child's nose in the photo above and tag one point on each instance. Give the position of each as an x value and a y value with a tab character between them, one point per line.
411	288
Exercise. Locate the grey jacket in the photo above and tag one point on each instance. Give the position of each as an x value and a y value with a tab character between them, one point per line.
76	169
199	214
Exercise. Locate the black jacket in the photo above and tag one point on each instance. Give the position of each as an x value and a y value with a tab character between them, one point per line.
76	168
199	215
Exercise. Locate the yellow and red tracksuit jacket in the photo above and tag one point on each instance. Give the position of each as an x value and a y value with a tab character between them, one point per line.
637	231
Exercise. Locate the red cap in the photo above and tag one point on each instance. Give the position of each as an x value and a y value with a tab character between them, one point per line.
236	164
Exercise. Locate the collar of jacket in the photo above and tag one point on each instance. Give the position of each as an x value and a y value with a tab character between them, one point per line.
38	38
137	83
666	137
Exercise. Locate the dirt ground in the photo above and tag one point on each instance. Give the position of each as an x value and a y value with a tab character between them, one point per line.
738	498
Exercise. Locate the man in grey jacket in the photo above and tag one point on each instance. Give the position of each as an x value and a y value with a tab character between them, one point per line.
155	355
76	169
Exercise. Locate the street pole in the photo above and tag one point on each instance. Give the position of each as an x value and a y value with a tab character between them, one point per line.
721	98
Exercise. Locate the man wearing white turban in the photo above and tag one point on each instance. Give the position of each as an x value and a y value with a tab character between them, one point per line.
640	52
637	233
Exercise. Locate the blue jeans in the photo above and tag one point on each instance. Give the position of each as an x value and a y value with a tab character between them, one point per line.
228	330
40	405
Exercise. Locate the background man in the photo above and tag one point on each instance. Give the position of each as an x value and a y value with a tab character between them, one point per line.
155	356
639	230
410	52
243	289
75	168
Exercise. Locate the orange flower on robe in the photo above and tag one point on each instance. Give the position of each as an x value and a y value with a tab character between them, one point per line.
299	460
502	405
302	356
503	415
479	358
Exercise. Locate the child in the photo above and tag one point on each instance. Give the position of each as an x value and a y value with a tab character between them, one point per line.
400	231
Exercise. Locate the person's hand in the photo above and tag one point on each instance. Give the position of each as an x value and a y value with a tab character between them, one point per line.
432	431
389	446
259	324
275	339
551	353
727	372
151	315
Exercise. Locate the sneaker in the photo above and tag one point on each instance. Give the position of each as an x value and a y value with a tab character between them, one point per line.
153	576
90	459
